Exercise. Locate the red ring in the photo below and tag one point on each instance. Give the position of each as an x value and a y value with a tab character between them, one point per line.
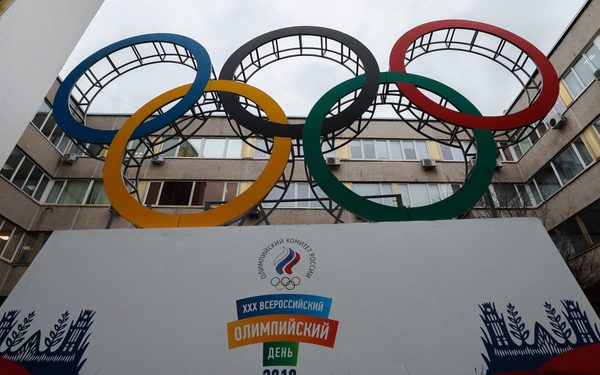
536	110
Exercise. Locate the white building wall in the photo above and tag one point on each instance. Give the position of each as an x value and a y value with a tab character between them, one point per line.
36	38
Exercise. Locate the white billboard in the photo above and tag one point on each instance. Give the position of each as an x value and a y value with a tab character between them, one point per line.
455	297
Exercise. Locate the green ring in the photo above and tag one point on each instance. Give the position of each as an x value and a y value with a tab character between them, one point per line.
459	202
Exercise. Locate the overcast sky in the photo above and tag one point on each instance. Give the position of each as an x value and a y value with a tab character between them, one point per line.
222	26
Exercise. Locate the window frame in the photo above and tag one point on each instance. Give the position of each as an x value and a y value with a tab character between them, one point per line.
582	56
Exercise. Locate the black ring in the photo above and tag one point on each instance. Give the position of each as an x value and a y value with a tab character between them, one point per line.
339	121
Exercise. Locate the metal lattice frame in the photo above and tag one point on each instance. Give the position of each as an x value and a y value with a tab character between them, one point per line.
389	95
490	46
292	42
331	141
150	147
116	60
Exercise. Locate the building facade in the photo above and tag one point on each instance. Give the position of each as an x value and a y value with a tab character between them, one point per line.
49	184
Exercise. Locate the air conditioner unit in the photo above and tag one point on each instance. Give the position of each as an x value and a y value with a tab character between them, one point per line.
499	164
69	158
597	74
428	163
332	161
158	159
557	122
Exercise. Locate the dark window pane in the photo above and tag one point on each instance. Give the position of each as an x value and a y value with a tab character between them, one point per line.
534	137
175	193
48	128
32	181
11	247
214	192
56	136
97	194
507	196
6	231
31	245
74	192
152	195
198	196
41	188
547	181
569	238
567	164
21	175
12	163
534	191
583	151
518	152
524	196
53	195
591	219
508	156
38	119
231	189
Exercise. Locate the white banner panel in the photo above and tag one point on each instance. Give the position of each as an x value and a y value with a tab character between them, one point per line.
422	298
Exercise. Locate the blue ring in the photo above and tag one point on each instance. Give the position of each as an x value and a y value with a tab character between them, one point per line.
79	131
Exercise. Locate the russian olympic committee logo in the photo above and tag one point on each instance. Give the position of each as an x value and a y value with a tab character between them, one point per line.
281	321
286	262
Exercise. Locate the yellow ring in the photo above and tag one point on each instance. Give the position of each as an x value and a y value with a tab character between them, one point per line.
144	217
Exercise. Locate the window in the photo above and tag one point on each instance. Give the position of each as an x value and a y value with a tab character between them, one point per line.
18	246
300	191
97	194
561	170
10	236
416	195
581	74
25	174
214	148
189	193
44	121
375	189
567	164
77	192
456	152
368	149
29	247
569	237
547	182
579	232
590	218
510	196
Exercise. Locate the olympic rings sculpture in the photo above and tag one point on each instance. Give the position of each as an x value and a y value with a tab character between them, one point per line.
338	110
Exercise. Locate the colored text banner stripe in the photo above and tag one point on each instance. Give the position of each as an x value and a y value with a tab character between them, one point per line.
281	327
296	304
